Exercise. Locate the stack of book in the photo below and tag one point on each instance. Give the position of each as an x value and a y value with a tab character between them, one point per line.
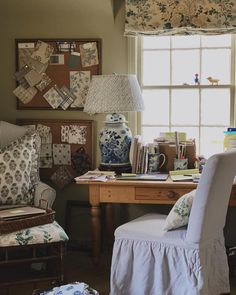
140	155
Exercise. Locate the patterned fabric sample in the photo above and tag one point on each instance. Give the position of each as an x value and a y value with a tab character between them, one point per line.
77	134
79	84
46	80
74	134
42	52
33	77
37	65
80	161
43	130
20	76
25	95
47	233
89	54
180	212
67	95
53	98
24	56
65	133
46	156
16	163
47	139
62	177
61	154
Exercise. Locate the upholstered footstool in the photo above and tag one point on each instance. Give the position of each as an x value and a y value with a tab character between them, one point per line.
33	255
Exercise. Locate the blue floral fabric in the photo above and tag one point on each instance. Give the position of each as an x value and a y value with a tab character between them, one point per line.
72	289
167	17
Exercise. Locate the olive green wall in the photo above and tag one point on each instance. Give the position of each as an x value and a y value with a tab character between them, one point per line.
60	19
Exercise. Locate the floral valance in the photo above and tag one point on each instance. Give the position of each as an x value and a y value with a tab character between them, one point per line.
180	17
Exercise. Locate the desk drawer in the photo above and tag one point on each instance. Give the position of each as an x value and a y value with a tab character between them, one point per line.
117	194
163	195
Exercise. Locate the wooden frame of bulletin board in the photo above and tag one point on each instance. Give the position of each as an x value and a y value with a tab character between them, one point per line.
66	62
69	142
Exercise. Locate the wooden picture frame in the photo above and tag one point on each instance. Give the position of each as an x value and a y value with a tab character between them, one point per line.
67	56
83	149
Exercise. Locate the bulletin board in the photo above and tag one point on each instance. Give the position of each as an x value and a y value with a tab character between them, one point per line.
54	74
66	148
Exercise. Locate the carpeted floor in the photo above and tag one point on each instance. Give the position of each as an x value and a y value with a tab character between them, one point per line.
79	267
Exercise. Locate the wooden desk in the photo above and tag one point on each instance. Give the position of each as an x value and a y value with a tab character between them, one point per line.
132	192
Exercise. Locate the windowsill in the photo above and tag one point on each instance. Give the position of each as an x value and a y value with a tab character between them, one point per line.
185	86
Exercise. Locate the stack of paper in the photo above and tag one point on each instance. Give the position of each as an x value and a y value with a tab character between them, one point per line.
183	175
96	175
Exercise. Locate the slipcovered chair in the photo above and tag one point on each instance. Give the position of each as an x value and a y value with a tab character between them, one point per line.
189	260
20	184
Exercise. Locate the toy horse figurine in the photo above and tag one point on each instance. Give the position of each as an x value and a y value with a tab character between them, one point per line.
213	81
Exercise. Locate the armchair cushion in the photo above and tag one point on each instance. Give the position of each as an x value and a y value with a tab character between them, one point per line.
18	171
10	132
47	233
179	214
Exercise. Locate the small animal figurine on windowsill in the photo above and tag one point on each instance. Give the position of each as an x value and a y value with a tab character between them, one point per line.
196	79
213	81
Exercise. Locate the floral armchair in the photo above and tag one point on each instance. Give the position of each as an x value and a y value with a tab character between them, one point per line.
20	184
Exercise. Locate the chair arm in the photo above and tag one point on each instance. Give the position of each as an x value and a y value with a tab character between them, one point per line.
45	192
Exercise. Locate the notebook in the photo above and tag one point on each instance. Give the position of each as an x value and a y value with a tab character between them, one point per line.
21	212
150	177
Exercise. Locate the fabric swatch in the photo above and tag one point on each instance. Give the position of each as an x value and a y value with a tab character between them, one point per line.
47	139
65	133
42	52
53	98
73	61
62	177
25	95
89	54
62	154
67	95
24	56
43	130
79	85
46	150
36	65
46	162
33	77
46	80
20	76
77	134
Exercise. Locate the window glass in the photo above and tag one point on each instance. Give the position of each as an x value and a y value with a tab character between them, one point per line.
185	107
156	107
156	68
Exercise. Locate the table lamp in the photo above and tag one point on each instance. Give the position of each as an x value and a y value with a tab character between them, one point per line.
114	94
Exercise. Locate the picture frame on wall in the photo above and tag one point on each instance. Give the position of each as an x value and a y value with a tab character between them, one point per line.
54	74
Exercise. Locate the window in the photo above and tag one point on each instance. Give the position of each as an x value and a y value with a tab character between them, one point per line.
174	101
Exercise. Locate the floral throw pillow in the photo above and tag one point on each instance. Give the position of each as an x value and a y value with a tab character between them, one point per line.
16	165
180	212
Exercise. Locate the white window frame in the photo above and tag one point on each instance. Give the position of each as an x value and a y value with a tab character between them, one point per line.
135	67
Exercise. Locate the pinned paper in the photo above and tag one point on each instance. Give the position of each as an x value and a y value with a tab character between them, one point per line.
89	54
57	59
42	52
53	98
79	85
46	80
33	77
25	95
62	154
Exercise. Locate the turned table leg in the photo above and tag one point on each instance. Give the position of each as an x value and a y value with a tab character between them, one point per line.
95	222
